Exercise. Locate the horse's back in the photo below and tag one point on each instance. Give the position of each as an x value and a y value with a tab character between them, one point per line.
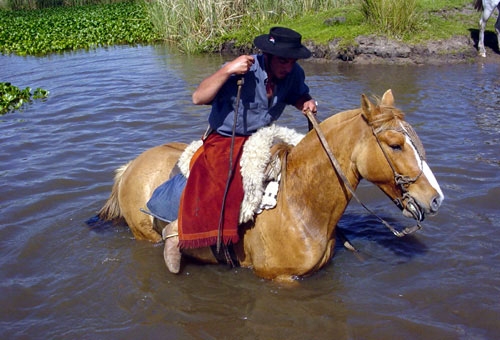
169	150
142	176
153	166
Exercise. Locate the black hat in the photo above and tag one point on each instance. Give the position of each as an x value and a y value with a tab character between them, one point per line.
282	42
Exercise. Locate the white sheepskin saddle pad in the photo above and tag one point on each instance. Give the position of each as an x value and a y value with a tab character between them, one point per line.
258	183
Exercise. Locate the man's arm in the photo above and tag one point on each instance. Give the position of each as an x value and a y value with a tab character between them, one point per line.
208	88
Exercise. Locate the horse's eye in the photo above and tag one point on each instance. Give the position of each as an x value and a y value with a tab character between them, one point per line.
396	147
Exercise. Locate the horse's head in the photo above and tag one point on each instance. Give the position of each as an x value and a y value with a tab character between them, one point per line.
393	158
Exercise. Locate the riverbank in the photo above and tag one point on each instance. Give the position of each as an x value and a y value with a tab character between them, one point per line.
333	36
373	49
382	50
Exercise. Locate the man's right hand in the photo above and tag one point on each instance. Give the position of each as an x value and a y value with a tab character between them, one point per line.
240	65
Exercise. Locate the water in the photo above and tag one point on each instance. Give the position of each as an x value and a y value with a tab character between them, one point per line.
61	279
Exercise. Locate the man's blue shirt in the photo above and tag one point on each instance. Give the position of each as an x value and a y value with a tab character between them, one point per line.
255	109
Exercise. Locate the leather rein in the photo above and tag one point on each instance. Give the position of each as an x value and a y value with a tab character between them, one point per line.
402	181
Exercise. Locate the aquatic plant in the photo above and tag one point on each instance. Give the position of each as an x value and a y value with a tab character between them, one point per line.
60	29
38	4
13	98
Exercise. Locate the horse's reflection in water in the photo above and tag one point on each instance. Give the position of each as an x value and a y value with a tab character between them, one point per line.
297	237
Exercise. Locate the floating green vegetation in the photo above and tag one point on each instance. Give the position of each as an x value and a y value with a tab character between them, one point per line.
12	97
60	29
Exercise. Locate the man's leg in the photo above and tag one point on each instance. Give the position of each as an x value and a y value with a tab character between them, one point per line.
171	253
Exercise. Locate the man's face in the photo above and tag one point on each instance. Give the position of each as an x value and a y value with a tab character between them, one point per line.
281	67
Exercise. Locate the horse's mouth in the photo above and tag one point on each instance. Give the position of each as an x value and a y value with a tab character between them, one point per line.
413	210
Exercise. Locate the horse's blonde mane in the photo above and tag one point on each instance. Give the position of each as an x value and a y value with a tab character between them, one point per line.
387	116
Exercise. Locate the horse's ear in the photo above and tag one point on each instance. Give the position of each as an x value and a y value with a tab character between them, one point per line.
388	98
366	107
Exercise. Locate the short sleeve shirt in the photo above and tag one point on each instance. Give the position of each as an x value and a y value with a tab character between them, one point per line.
255	109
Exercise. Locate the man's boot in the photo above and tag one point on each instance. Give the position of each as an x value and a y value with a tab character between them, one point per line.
171	253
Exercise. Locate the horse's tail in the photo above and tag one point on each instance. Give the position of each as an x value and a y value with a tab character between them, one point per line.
478	5
111	209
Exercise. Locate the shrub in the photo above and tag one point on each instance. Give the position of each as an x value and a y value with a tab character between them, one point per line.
392	17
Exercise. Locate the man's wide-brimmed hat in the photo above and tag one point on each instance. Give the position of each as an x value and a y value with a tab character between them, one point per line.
282	42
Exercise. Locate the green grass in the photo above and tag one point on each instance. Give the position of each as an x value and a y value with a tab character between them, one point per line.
199	25
394	18
437	20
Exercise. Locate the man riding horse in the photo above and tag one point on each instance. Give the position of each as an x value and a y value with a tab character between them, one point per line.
246	94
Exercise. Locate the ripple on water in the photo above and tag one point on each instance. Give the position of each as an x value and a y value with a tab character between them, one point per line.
60	278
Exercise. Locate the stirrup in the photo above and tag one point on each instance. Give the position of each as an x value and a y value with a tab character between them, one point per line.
165	237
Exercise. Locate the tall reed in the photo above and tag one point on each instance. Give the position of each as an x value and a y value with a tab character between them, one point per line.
192	24
393	17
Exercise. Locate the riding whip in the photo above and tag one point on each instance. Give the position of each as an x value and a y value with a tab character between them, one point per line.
240	83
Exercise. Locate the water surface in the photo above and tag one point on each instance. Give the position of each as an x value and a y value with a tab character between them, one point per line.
61	279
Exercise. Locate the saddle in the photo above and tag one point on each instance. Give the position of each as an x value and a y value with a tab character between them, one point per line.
261	164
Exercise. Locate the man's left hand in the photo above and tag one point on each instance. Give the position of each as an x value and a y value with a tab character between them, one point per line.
310	105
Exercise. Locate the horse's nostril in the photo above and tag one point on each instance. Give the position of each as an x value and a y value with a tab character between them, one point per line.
435	203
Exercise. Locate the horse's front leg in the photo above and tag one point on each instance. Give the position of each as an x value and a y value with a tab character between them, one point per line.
497	27
482	27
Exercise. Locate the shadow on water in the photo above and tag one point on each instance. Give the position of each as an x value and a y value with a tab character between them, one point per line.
360	228
98	226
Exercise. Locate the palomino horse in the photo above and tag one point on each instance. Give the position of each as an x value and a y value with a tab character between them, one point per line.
487	7
297	237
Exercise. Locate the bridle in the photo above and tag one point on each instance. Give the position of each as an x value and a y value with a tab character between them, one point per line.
402	181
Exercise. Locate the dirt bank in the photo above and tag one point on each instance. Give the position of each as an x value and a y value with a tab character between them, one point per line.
381	50
378	50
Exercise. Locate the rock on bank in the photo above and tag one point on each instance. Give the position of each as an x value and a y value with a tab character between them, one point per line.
381	50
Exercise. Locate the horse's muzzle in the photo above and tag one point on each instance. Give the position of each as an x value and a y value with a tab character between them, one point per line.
413	210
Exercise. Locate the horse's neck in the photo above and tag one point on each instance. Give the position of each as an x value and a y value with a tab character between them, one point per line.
311	180
342	132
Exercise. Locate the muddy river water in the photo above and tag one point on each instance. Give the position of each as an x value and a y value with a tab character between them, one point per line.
61	279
